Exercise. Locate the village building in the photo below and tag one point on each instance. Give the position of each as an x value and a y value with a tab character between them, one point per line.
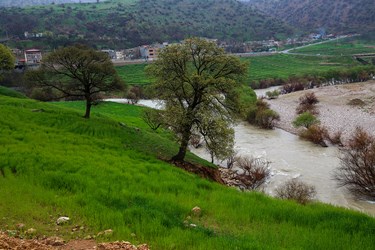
33	56
111	53
150	52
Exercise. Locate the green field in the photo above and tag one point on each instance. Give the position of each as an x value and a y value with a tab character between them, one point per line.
345	47
261	67
107	175
133	74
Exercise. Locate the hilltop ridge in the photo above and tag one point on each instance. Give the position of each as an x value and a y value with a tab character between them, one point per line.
334	15
134	22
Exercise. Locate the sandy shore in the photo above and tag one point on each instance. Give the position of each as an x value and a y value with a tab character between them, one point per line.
335	112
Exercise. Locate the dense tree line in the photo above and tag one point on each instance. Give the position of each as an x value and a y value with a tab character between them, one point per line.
144	21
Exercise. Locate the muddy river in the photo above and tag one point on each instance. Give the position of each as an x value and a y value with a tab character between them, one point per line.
289	158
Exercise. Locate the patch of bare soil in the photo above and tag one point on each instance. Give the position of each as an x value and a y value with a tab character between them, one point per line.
55	243
336	109
202	171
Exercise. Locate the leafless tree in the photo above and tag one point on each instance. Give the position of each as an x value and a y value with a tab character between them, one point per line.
357	168
252	172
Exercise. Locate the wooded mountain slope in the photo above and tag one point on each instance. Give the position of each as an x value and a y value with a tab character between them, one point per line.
22	3
333	15
134	22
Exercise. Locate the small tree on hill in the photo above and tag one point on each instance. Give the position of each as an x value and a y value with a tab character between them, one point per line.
197	81
6	59
79	72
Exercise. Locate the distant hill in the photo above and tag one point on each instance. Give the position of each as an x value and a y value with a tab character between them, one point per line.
23	3
134	22
333	15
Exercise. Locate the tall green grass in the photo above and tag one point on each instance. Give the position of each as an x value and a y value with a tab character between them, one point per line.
103	174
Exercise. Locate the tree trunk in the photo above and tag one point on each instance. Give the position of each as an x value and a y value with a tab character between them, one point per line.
180	156
88	108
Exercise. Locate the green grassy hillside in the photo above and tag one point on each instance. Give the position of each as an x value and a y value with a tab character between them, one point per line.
105	175
126	23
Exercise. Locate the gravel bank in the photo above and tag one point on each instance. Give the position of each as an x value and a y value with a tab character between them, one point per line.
336	114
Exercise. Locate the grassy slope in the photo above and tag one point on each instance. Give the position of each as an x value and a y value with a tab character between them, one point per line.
104	175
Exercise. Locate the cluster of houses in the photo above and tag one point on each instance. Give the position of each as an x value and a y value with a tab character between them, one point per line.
32	57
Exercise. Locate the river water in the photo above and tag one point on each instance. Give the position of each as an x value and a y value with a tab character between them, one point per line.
289	157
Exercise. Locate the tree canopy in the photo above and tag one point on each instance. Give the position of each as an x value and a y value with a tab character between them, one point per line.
79	72
198	82
6	59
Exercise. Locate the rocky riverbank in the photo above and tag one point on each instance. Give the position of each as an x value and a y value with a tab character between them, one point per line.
341	108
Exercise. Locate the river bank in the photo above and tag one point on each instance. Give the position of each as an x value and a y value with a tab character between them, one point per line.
336	112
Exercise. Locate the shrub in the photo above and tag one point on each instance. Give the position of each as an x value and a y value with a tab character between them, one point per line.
336	138
292	87
296	190
357	167
273	94
267	118
307	102
308	98
134	94
307	108
356	102
306	120
261	115
251	172
316	134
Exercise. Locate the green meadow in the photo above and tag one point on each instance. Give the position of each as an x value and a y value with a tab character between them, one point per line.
106	173
281	66
134	74
345	47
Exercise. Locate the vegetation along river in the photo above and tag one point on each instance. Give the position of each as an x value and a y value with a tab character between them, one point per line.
289	157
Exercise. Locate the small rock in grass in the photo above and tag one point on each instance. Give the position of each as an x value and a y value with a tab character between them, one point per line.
31	231
108	232
196	210
62	220
55	241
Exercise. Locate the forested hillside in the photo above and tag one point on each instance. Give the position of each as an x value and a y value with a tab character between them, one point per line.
333	15
22	3
134	22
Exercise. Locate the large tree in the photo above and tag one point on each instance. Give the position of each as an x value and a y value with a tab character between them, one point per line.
78	71
6	59
198	81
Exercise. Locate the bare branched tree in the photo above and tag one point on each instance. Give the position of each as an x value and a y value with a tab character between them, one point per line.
253	172
357	168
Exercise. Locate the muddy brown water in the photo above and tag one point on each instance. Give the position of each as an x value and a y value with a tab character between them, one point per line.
289	157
